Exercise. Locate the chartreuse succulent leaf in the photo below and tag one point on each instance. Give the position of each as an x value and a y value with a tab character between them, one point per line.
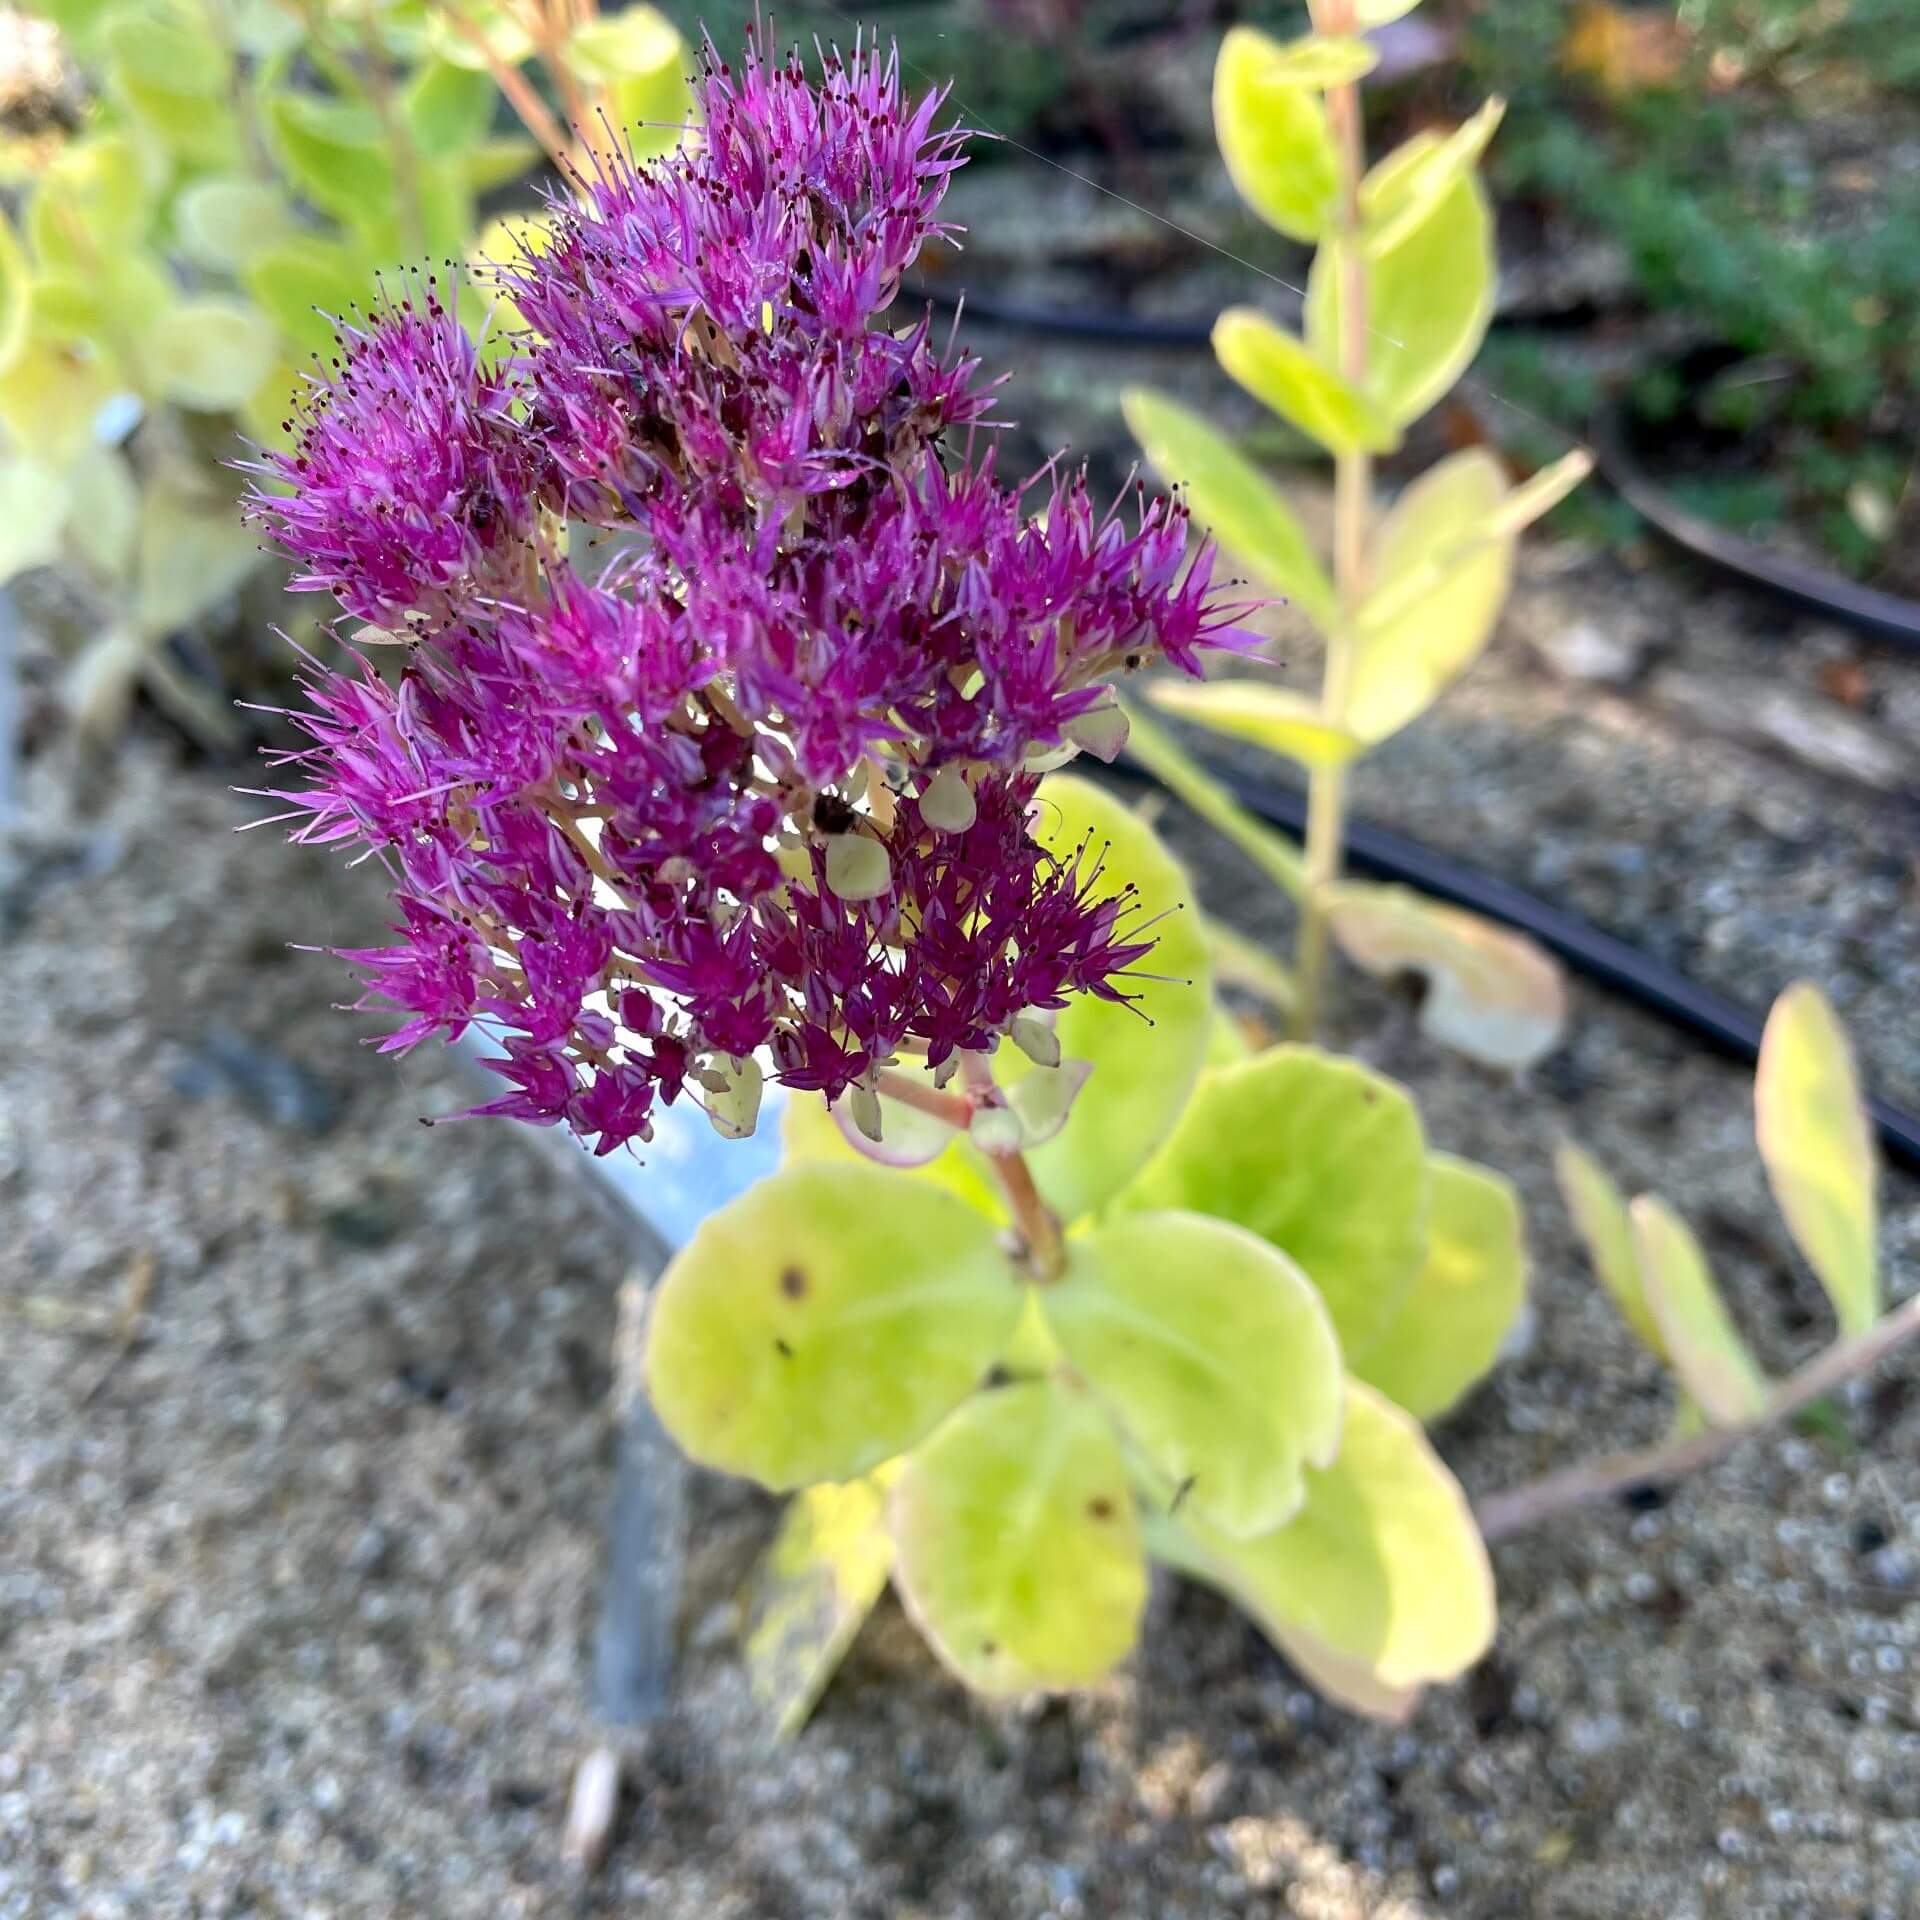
1273	136
641	60
1429	292
1232	499
1280	719
211	354
1145	1055
1399	194
1491	993
1017	1542
1381	1580
825	1321
1320	1157
35	500
1213	1353
1703	1346
1404	663
1600	1217
191	552
224	221
1321	60
1296	380
817	1582
1464	1299
1818	1148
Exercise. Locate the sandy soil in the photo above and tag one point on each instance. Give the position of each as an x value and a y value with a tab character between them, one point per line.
297	1593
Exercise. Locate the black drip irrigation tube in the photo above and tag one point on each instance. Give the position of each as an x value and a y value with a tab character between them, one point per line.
1722	1024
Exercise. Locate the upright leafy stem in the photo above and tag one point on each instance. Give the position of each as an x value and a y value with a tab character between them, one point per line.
1397	303
1353	485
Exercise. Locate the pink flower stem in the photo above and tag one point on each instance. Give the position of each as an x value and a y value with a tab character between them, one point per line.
1045	1251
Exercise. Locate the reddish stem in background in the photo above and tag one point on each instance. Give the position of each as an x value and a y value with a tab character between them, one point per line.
1526	1506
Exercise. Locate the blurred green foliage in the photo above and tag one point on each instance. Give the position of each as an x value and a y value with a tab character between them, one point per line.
1739	154
241	173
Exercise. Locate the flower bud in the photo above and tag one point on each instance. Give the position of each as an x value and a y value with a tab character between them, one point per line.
1102	731
1035	1039
947	803
863	1104
857	868
995	1130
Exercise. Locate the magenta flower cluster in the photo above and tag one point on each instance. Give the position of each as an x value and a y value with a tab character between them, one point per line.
722	661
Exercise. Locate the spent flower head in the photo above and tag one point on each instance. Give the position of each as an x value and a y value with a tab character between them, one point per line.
727	661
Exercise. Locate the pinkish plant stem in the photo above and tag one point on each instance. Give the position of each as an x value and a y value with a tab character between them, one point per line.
1353	484
1557	1493
954	1108
1033	1220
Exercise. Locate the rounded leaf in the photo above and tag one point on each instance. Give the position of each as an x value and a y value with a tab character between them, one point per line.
34	503
1818	1148
448	108
1491	993
1145	1056
1382	1573
1321	1157
210	355
1232	499
1213	1352
1322	60
813	1588
1703	1346
1429	297
1464	1299
824	1321
1298	382
1018	1549
1405	662
335	152
307	288
192	551
224	223
1273	136
1399	194
637	55
103	520
479	33
53	394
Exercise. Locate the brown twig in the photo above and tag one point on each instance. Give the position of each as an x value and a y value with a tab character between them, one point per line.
1526	1506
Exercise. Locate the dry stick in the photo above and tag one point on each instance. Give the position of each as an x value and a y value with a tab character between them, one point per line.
1526	1506
1353	484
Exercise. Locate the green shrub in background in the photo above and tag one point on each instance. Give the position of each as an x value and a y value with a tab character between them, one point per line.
243	173
1741	155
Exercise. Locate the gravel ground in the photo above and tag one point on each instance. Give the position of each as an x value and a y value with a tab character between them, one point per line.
297	1590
